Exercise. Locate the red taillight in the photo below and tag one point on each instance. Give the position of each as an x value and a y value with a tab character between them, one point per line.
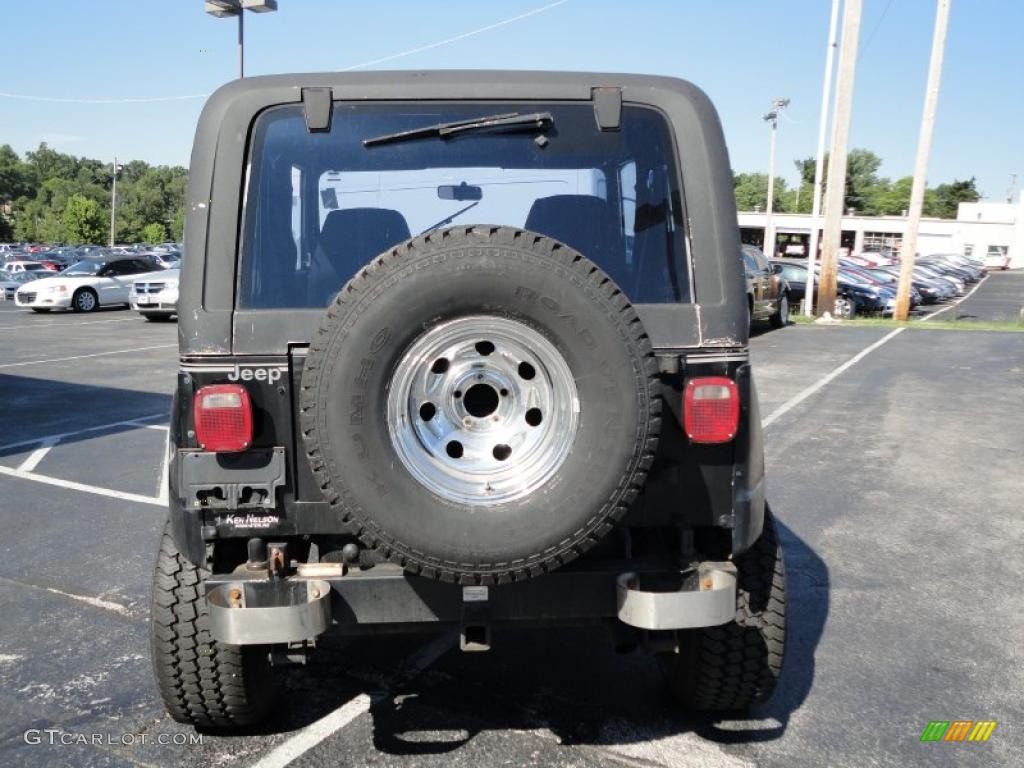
711	410
223	418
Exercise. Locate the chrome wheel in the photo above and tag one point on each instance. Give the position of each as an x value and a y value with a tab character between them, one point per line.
482	410
85	301
843	307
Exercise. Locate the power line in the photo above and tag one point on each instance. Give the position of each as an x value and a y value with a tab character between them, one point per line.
875	28
457	38
372	62
143	100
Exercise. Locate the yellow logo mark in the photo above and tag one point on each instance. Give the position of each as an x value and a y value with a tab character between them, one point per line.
982	730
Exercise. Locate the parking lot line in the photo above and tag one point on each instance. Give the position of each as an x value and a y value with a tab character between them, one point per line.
136	422
37	455
96	602
794	401
71	485
333	722
957	303
82	357
67	324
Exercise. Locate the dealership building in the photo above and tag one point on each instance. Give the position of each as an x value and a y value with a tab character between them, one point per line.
979	229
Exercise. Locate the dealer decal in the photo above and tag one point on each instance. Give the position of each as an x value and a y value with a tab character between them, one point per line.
249	521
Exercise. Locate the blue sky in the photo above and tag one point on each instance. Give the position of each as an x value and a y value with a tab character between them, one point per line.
742	52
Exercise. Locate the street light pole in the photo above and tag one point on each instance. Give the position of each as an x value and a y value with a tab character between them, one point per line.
908	250
229	8
819	163
772	118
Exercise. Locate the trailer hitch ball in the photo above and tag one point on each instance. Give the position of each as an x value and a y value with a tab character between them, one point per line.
257	549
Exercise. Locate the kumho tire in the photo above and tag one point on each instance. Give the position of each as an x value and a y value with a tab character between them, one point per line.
203	682
371	451
734	666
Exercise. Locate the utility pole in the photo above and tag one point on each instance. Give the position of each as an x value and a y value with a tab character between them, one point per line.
924	147
241	45
114	170
819	163
772	118
836	189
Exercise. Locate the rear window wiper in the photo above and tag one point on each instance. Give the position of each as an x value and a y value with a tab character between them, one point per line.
538	120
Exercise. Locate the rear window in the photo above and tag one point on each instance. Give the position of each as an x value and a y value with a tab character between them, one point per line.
322	205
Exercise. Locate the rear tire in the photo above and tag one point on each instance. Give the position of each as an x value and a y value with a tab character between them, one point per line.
844	308
781	317
203	683
737	665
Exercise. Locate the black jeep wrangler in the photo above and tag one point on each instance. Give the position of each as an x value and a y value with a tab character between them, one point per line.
463	351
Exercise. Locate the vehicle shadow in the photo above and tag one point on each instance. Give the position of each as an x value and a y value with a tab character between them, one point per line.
37	408
569	682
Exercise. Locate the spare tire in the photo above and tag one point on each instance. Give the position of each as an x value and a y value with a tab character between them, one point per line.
479	404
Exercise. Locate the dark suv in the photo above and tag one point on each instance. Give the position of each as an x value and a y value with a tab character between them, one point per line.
463	351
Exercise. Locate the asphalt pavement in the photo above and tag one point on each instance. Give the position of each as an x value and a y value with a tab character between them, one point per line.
999	299
896	481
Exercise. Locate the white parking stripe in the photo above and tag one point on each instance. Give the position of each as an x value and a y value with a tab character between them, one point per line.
793	402
316	732
163	491
136	422
71	485
82	357
95	602
956	303
69	324
37	455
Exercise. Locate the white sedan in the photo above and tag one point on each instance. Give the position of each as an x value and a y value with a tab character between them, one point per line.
155	294
83	287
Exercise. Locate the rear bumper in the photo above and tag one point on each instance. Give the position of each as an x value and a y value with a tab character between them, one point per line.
248	609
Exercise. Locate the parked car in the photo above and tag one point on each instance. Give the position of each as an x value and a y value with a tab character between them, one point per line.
870	259
767	292
930	291
83	287
163	258
852	297
10	282
25	265
967	274
154	295
937	273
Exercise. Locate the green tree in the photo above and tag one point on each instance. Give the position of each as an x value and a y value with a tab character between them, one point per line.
947	198
751	190
861	177
16	179
83	221
154	233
